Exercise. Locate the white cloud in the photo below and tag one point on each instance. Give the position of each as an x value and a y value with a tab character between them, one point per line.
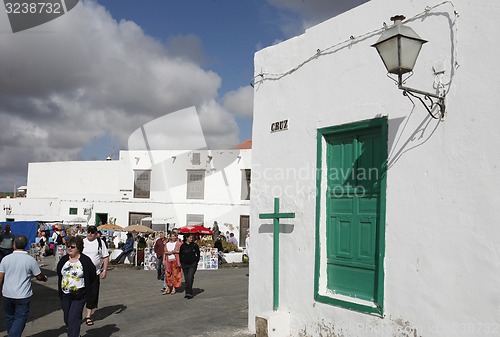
219	126
188	47
310	12
240	102
179	130
84	75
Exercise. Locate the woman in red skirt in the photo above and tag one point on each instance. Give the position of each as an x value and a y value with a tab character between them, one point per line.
172	263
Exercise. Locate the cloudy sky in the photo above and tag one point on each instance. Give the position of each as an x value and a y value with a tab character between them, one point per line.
78	86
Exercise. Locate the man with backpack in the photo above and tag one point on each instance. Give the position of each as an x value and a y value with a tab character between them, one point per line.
55	239
59	238
94	248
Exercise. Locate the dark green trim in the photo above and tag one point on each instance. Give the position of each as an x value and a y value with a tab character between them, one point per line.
276	257
319	155
349	305
276	216
381	233
378	307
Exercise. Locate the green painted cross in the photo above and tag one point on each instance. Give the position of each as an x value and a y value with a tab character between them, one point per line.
276	216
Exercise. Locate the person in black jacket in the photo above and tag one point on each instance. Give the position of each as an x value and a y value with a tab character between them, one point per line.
128	247
189	255
76	273
220	249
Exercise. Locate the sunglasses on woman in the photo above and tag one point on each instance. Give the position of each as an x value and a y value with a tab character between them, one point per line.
72	247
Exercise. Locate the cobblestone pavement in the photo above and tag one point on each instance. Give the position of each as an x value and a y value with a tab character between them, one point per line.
131	304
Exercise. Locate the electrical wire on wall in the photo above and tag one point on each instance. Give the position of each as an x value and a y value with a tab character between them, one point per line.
263	76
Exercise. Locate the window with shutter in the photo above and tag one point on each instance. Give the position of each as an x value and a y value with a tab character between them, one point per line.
195	158
194	219
195	184
142	184
245	184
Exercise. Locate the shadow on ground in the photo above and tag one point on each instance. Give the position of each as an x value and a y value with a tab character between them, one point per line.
105	312
197	291
100	314
104	331
51	332
44	301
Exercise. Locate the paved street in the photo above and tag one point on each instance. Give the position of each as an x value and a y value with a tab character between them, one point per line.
131	304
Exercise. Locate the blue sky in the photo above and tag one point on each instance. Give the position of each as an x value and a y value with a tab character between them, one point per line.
220	35
78	86
229	31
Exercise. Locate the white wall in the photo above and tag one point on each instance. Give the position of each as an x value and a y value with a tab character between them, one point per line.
107	187
442	266
72	178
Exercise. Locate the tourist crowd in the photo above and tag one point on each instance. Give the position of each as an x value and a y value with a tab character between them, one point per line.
82	266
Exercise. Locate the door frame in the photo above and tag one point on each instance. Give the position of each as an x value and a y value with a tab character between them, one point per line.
377	307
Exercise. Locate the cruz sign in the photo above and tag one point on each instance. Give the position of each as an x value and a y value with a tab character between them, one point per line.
279	126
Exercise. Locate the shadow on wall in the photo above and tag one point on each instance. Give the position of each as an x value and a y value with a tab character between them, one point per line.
269	228
406	134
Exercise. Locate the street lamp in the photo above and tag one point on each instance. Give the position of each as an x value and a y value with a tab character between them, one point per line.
399	47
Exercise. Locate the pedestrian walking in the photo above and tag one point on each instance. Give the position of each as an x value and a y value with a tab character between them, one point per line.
159	249
97	251
76	274
172	263
16	271
189	255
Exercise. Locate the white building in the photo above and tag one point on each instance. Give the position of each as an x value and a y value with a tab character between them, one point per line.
149	187
404	241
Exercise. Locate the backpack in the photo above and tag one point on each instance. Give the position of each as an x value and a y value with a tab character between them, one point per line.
59	240
99	250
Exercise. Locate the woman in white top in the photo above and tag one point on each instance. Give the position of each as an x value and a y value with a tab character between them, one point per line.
172	263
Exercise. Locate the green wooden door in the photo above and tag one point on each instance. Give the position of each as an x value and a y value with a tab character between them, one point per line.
354	162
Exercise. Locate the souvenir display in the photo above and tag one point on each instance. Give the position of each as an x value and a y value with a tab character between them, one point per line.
208	258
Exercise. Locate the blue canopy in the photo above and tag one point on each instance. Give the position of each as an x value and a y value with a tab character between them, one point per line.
27	228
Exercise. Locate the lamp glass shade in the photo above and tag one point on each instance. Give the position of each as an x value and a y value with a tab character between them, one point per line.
399	53
399	47
410	49
389	53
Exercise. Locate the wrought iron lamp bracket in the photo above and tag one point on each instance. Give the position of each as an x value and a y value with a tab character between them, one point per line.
429	103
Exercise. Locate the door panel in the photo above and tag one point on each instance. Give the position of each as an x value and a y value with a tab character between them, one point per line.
354	164
244	227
